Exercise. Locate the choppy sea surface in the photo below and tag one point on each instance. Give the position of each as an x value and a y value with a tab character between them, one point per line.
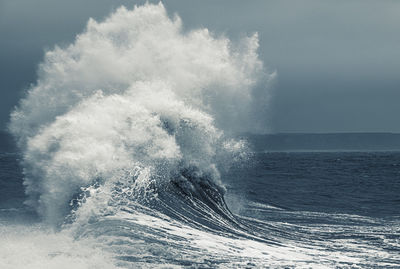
283	209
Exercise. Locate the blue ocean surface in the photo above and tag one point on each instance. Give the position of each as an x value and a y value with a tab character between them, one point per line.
360	183
289	209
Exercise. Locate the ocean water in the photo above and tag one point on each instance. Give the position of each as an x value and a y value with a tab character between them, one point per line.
289	210
127	158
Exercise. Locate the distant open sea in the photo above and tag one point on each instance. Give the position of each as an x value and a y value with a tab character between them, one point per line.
290	209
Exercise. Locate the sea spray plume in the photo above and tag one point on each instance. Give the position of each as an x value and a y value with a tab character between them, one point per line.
134	91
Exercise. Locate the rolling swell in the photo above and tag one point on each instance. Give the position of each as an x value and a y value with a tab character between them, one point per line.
172	222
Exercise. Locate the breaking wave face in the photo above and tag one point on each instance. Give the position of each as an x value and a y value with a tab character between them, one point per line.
134	111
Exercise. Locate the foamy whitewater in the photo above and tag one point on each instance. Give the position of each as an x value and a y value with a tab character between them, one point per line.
123	141
135	96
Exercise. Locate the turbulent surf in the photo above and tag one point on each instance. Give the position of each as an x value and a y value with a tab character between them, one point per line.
130	120
138	99
123	142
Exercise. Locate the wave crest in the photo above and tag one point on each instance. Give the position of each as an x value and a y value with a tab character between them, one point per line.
132	91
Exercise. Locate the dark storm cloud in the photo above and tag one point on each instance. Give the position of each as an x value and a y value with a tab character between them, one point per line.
338	62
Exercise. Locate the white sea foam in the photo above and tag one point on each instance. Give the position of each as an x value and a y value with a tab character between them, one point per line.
35	247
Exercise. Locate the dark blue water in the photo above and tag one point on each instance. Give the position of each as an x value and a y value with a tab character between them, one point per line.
362	183
334	208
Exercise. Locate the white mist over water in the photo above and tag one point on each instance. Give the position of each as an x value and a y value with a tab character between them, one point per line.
132	92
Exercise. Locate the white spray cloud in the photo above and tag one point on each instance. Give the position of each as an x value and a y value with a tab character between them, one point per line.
132	90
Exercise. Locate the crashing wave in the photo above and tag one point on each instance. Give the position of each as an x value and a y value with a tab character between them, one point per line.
138	100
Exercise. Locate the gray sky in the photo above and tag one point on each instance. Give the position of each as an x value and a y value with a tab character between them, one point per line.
338	62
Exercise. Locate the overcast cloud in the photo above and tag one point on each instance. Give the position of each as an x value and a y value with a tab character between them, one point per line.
338	62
